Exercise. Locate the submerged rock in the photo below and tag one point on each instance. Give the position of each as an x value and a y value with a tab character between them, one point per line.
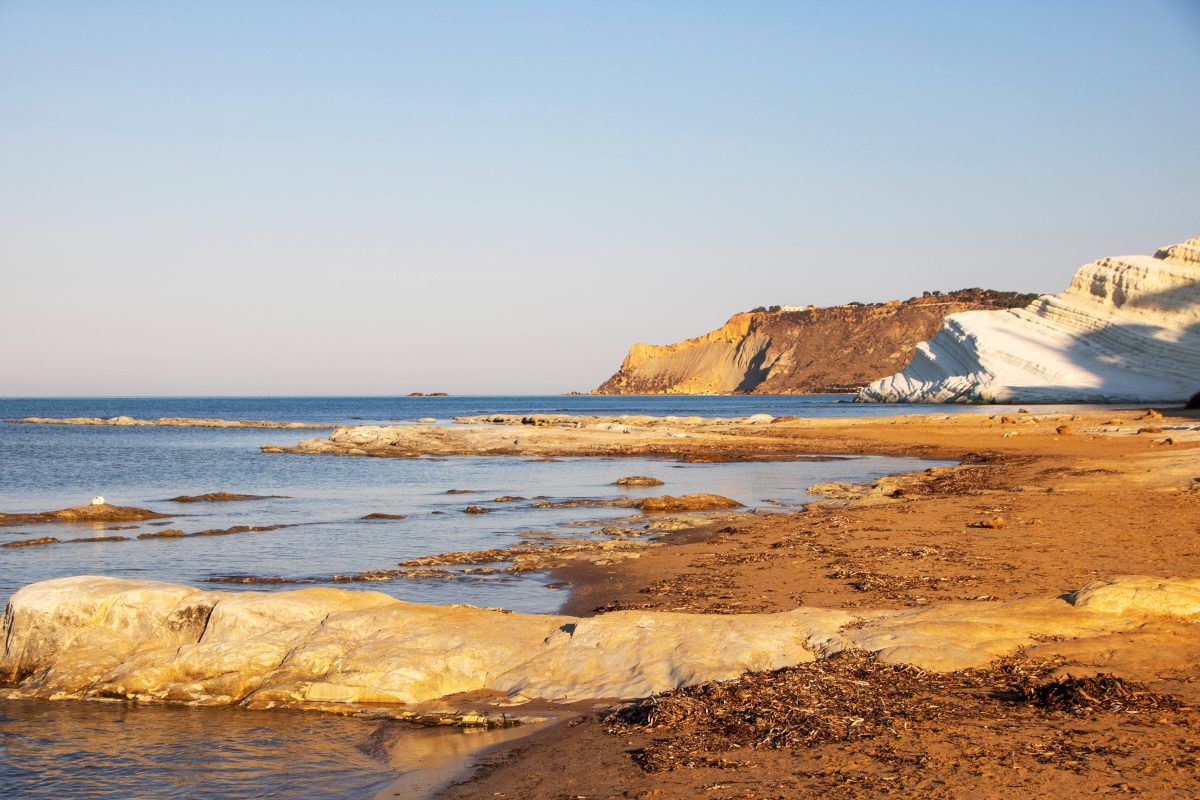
638	480
225	497
31	542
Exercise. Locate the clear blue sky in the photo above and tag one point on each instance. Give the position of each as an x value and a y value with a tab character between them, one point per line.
340	198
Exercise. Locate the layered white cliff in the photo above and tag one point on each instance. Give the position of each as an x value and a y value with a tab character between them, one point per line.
1127	329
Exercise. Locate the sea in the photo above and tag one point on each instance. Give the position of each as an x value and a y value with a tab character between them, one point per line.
121	750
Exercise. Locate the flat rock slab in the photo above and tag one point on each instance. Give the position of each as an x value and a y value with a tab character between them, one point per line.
225	497
102	512
100	637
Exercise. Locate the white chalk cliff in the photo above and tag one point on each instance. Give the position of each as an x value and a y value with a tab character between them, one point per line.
1127	329
107	638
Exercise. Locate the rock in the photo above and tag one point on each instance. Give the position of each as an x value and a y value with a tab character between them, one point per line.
759	419
224	497
167	533
98	501
477	510
509	498
89	513
1194	403
688	502
31	542
102	638
1127	329
638	480
238	529
1151	414
994	522
1150	429
1064	430
378	515
462	491
427	420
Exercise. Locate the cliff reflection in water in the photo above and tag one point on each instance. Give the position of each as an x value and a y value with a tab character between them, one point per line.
94	751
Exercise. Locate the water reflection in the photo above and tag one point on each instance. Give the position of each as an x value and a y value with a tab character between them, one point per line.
117	751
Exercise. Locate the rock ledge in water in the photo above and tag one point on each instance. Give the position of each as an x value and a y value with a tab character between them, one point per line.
102	512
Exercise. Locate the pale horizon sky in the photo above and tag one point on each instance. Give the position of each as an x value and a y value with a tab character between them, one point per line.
379	198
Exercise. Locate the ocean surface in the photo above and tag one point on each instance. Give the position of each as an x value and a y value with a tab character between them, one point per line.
113	750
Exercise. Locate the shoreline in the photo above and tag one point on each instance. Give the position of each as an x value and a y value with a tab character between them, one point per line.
1008	466
1069	468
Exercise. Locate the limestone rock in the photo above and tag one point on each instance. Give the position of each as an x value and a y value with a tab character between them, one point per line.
98	637
1127	329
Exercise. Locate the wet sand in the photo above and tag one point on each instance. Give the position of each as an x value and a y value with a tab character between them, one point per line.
1039	504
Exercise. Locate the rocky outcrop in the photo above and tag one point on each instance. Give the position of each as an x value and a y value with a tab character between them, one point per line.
789	351
96	512
1127	329
225	497
103	638
172	422
537	435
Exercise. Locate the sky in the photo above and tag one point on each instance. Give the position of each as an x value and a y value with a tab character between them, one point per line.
229	198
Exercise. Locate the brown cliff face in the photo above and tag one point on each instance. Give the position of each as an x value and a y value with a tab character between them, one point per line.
809	351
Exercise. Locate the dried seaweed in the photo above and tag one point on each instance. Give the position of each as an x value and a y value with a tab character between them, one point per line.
852	697
1087	695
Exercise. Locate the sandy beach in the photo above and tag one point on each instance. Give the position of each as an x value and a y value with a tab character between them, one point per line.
1034	508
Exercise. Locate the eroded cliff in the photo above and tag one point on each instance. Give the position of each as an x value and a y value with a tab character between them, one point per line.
1127	329
797	351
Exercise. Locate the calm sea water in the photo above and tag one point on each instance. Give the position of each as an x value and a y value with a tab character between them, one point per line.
85	750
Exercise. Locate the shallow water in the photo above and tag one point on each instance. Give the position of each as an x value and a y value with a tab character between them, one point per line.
45	467
108	750
117	751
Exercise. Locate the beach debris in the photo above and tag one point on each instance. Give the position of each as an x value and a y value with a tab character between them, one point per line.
98	500
849	696
852	696
1100	692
